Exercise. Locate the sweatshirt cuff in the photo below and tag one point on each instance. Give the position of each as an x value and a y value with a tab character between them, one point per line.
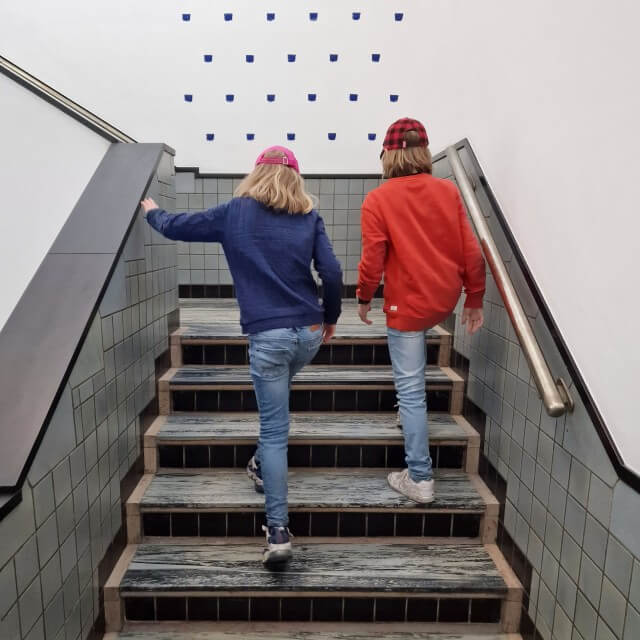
474	300
364	292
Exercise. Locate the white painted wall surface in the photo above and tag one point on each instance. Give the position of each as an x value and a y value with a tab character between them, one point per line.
546	91
46	161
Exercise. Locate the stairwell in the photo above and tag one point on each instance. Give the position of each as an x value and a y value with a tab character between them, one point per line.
367	561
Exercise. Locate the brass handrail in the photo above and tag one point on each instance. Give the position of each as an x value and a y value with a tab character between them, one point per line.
62	102
554	393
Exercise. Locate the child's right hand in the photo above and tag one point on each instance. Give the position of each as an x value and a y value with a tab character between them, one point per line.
473	318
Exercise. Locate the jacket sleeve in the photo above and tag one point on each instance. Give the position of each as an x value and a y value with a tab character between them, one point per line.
473	276
328	268
375	241
203	226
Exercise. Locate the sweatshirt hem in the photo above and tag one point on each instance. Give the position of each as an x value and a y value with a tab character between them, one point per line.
283	322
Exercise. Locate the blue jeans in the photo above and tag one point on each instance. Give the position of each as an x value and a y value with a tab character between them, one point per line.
275	356
408	358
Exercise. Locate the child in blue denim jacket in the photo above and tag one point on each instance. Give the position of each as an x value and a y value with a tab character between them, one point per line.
271	235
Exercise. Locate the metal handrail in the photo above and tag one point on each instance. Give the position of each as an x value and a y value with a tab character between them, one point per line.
62	102
554	393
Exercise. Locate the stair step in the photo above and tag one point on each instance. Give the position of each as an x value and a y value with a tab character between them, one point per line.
319	376
306	428
309	489
219	320
285	631
459	583
343	503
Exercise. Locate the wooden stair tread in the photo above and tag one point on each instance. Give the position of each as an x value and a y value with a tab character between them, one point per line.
320	376
284	631
219	319
307	427
337	489
462	569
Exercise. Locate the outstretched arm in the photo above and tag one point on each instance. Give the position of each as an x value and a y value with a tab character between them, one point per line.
328	268
203	226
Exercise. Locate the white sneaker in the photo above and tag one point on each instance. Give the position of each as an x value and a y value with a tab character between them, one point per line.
278	548
398	418
421	492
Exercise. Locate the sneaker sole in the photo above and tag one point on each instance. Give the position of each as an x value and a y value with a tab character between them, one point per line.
277	557
257	481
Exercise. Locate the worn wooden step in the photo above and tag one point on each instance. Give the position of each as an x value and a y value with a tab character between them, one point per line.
333	503
210	334
293	631
315	439
452	583
320	388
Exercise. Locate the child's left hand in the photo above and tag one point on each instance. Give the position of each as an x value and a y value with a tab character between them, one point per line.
148	204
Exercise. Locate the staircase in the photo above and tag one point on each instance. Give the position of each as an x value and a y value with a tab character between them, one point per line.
367	562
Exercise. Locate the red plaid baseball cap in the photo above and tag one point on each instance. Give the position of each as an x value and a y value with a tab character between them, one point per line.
395	135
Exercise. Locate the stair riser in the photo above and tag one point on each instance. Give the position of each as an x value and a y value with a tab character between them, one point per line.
339	354
211	400
325	455
323	609
316	524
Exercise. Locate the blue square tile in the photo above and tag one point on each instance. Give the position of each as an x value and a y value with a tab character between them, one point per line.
371	136
311	97
186	17
333	57
271	17
251	136
291	136
229	97
398	16
271	97
356	15
210	136
313	16
375	57
188	97
393	97
353	97
208	57
291	57
249	57
331	136
228	17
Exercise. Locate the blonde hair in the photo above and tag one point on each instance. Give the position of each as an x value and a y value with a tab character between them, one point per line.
407	161
277	186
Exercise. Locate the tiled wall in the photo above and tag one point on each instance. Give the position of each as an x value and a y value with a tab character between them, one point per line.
338	201
576	524
52	544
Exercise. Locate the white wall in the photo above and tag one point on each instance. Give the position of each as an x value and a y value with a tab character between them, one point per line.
545	90
46	161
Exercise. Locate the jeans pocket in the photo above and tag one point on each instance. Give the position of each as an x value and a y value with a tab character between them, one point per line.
269	361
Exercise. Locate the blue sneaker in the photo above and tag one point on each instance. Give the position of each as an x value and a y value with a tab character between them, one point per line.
254	473
278	545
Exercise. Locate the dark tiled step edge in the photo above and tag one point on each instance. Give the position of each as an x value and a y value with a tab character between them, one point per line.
341	440
225	504
452	583
317	388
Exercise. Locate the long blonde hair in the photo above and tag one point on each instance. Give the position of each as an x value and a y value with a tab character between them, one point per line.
407	161
277	186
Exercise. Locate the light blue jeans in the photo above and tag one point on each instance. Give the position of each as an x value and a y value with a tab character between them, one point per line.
408	358
275	356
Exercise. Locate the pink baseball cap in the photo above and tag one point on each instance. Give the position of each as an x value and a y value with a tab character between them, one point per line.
287	159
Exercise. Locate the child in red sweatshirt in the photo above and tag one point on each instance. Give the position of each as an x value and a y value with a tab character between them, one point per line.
415	231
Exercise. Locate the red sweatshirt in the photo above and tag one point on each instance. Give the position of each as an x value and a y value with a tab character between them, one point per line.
416	231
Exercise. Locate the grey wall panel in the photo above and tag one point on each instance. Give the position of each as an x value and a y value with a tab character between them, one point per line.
71	503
